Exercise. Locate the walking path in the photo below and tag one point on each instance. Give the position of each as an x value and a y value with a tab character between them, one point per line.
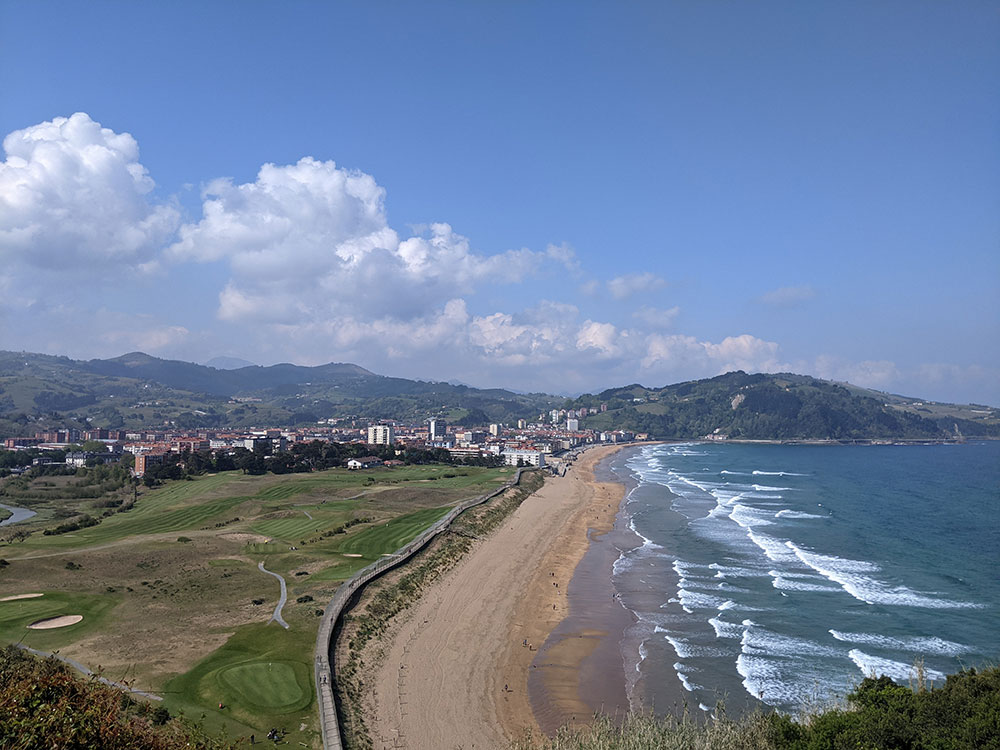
276	617
87	673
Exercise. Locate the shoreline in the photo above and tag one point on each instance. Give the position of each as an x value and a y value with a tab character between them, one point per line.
579	670
455	671
548	602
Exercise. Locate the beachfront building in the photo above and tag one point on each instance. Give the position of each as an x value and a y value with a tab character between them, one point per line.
526	458
381	434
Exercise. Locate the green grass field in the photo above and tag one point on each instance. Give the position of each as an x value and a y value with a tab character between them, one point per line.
376	541
188	619
263	676
15	616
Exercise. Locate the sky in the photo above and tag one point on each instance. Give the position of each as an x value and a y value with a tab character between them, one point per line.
557	196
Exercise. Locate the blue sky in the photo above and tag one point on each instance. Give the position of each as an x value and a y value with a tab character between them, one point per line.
554	196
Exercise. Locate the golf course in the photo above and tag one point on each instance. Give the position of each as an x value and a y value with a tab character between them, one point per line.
165	593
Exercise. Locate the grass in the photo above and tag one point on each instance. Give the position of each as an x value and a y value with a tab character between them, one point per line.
262	676
180	618
15	616
376	541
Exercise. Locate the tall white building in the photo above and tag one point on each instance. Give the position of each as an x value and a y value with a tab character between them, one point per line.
381	434
436	429
572	425
495	429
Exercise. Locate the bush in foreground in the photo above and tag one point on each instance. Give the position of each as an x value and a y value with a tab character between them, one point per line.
43	704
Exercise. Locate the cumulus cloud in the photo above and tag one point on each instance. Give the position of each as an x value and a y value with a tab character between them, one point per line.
73	195
308	269
679	353
623	287
787	296
312	239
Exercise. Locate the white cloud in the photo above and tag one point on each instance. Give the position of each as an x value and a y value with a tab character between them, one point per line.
310	242
657	318
685	354
623	287
788	296
73	196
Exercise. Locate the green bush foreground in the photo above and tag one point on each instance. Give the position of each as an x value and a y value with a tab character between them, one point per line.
44	704
963	714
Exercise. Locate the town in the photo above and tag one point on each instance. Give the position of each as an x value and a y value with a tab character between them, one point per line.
496	444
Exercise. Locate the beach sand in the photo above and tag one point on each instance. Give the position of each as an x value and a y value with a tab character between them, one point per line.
455	673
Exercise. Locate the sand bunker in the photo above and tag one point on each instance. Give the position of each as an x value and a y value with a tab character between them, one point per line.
19	596
55	622
351	554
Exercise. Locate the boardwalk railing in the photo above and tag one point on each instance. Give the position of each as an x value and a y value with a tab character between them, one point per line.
329	726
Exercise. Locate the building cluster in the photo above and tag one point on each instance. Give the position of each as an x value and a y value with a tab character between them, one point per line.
526	444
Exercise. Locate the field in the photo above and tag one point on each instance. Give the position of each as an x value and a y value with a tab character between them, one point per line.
171	597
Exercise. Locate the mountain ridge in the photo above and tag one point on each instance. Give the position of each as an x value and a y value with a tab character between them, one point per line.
139	390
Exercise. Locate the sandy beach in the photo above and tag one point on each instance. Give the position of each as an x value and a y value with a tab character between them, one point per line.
455	673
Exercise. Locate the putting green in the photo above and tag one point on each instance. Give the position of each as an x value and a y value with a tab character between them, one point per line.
271	686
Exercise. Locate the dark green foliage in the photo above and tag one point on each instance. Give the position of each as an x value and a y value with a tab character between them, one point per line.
762	407
82	522
45	705
964	714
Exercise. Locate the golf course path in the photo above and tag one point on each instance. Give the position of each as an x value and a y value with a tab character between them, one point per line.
88	673
284	596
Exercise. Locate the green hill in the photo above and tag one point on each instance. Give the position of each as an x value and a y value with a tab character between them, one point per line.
781	407
139	391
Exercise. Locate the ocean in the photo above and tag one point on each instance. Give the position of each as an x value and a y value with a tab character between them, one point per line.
782	575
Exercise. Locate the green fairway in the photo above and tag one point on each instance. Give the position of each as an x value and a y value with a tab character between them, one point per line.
15	616
390	536
290	529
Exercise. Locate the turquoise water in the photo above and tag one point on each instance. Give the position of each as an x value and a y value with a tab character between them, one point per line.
786	573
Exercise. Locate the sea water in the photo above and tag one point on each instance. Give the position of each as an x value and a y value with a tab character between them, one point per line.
785	574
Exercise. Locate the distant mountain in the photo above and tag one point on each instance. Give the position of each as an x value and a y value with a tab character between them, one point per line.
136	390
782	407
228	363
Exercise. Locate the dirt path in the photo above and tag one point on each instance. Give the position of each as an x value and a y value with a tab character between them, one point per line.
276	617
455	673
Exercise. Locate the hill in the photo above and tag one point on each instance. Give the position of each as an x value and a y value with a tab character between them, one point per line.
137	390
784	406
